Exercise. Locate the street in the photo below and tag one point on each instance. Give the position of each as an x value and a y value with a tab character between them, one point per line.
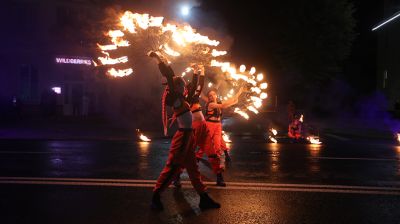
344	180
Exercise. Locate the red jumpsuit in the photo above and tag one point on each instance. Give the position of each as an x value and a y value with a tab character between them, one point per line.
204	141
213	144
181	152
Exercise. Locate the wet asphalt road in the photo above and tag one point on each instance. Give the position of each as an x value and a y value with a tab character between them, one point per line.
344	180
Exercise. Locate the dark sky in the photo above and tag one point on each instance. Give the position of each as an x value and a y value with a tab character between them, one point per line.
243	20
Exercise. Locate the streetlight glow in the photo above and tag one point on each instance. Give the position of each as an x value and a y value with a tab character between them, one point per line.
185	10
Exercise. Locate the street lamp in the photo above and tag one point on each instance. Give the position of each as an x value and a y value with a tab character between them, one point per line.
185	10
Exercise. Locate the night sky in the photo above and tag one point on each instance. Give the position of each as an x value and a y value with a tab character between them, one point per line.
244	20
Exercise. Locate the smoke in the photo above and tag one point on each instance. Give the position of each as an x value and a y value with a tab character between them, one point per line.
373	111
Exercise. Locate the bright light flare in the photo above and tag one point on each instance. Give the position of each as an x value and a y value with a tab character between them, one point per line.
273	131
260	77
226	137
301	118
264	85
185	10
242	68
57	90
263	96
120	72
144	138
272	139
398	137
241	113
314	140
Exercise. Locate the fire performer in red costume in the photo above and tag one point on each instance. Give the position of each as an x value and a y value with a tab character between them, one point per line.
181	152
202	137
295	128
213	120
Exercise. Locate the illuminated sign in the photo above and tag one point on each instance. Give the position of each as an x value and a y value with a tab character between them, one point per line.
76	61
56	90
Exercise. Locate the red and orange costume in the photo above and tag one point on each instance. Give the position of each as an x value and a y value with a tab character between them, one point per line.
181	152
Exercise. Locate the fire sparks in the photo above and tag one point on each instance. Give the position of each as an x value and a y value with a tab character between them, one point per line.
225	137
314	140
177	41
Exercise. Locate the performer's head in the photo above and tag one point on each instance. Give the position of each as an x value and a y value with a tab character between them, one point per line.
212	95
180	84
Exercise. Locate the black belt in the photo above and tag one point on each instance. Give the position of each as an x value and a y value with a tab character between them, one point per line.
179	114
185	129
197	110
213	121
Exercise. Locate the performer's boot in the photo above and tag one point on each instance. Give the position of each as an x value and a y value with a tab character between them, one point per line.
156	203
227	156
177	181
206	202
220	180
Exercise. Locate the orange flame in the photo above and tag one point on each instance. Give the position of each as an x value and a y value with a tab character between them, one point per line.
273	139
314	140
144	138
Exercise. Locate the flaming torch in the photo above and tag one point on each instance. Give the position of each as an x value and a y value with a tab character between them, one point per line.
142	137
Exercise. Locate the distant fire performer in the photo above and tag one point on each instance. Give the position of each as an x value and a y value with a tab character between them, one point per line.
181	152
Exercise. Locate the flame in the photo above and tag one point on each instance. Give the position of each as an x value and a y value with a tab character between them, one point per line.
144	138
216	53
301	118
273	139
264	85
112	61
120	73
260	77
176	40
242	68
273	131
252	70
313	140
252	109
226	137
170	52
241	113
263	96
398	137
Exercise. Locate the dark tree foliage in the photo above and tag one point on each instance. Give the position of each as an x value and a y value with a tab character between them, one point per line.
303	43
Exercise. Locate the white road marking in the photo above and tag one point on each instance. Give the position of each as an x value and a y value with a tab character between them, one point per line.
352	158
186	184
